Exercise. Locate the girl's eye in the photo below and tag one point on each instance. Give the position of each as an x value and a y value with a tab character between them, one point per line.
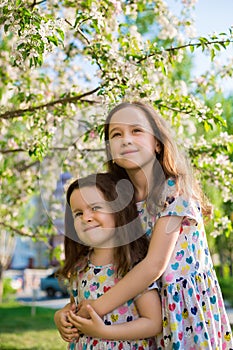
115	134
96	208
77	214
137	130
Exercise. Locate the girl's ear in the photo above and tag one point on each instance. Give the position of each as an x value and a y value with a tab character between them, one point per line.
157	146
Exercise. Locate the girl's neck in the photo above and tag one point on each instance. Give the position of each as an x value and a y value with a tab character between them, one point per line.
142	182
102	256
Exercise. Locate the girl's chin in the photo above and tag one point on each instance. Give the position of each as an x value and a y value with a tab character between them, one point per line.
127	164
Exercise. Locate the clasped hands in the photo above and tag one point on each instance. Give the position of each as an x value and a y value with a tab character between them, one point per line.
71	323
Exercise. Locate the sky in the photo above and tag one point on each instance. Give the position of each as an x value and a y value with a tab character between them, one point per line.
211	16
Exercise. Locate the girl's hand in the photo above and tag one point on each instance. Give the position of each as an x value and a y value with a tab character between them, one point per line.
82	308
63	325
93	326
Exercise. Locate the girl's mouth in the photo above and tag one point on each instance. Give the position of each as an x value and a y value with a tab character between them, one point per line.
128	152
89	228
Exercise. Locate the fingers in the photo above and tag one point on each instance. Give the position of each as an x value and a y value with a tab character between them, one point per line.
73	307
91	311
67	339
69	331
72	318
66	323
82	311
68	334
78	321
84	323
66	329
70	338
93	314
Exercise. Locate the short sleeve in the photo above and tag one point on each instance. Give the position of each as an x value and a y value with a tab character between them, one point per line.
152	286
177	205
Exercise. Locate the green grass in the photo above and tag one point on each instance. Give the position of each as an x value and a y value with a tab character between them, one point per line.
226	285
20	330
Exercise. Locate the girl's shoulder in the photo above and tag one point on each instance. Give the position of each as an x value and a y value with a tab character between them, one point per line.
175	203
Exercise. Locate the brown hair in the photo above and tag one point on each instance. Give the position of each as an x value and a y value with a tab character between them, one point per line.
169	162
128	226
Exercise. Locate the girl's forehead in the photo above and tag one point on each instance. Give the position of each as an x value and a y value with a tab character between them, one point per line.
129	116
89	194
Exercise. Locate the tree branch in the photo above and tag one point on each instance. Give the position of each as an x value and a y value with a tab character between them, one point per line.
6	151
15	150
171	49
16	230
83	35
25	167
20	112
65	100
24	234
36	3
198	44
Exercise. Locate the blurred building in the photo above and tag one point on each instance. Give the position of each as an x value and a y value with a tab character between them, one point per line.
31	254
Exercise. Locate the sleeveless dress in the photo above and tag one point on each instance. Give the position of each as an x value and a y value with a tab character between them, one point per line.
94	281
194	316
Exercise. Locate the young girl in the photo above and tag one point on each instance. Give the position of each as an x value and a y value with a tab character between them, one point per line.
95	260
170	205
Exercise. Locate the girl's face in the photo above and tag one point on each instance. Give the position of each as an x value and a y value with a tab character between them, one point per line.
131	140
93	220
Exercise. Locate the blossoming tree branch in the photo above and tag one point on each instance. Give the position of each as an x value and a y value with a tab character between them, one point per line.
65	63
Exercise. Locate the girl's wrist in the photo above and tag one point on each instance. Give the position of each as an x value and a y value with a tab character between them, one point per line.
97	308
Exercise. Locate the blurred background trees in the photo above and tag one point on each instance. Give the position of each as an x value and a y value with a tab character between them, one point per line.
64	64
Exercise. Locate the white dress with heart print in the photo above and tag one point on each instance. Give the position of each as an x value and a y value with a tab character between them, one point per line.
194	316
94	281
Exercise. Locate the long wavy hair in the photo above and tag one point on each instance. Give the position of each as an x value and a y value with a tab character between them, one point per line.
128	226
169	162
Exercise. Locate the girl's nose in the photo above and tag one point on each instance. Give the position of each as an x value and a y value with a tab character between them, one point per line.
87	216
127	140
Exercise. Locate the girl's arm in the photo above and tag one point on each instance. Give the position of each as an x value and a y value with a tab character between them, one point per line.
161	246
147	325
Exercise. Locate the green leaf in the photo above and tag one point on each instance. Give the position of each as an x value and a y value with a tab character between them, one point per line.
61	33
86	137
230	147
157	102
191	47
163	68
207	126
53	39
212	54
217	47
